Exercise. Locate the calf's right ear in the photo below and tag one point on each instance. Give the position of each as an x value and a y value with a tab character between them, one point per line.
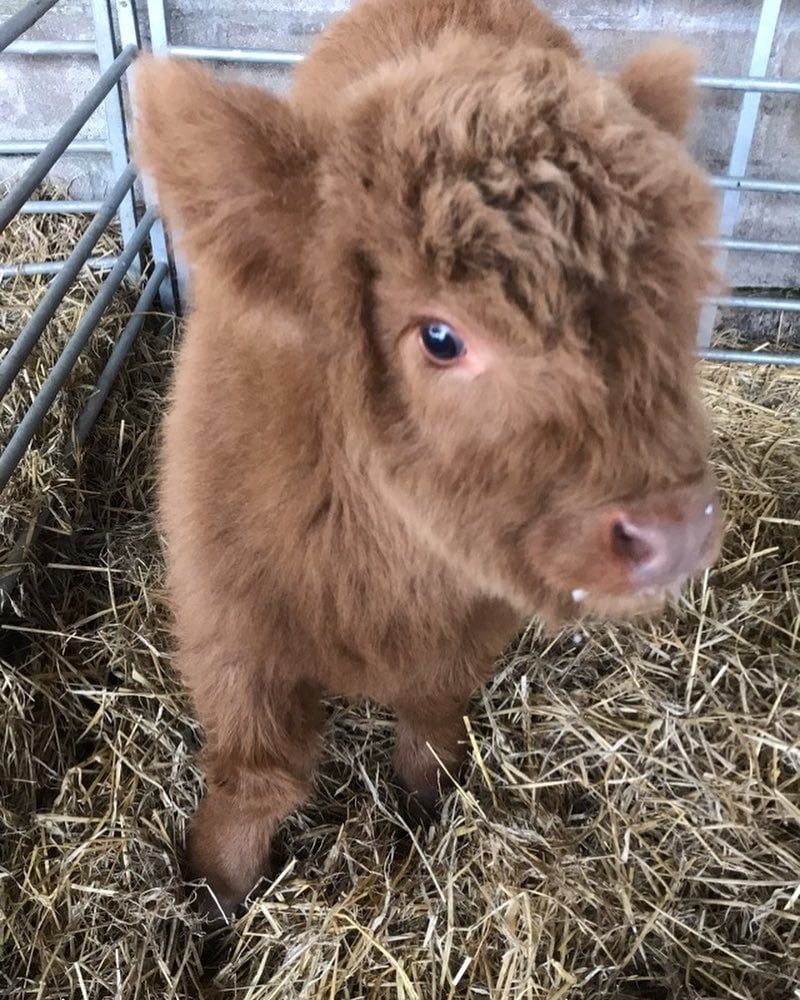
234	170
660	83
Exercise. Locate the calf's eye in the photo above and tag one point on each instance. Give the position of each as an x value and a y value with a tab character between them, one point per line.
441	342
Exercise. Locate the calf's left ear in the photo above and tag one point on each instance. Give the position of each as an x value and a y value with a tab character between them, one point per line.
660	83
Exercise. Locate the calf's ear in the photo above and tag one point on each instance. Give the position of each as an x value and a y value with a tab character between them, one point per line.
234	170
660	83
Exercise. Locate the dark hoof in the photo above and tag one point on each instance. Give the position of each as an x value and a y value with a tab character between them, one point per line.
419	808
216	910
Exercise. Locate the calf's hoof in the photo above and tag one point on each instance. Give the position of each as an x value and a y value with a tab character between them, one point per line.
215	910
219	899
420	806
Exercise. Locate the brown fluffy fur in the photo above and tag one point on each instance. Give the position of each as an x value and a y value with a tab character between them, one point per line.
343	516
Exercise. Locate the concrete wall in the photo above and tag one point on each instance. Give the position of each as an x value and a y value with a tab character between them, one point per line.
35	94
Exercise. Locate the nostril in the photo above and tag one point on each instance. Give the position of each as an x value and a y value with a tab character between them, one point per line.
629	543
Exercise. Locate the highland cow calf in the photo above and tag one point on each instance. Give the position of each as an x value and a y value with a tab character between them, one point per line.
438	377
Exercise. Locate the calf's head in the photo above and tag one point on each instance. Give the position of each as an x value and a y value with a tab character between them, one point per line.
501	257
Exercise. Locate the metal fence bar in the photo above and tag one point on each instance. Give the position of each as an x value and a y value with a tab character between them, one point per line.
756	185
27	427
157	19
48	267
46	206
128	22
48	47
30	333
14	26
751	357
756	246
115	118
282	57
119	353
764	304
39	169
751	84
33	147
742	144
270	57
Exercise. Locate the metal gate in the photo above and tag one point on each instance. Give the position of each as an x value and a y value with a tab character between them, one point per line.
119	26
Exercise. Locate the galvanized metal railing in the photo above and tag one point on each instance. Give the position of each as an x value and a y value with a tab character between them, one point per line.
114	50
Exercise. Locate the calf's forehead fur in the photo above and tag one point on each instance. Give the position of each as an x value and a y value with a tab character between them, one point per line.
472	159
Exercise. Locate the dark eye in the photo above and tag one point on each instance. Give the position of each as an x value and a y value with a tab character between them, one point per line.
441	342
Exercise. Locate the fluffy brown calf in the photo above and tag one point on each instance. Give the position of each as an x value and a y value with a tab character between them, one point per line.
438	377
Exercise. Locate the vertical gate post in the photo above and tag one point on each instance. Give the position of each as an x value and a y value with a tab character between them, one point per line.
740	155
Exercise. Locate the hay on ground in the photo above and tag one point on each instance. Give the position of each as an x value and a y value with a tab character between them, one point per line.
629	826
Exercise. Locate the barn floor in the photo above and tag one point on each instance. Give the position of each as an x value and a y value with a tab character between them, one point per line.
629	826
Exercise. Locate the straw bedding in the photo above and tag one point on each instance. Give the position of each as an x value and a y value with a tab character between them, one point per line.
629	826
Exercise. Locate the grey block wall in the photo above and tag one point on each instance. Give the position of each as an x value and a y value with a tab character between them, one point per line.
36	93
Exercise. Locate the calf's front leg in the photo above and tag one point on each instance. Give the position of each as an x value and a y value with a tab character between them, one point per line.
430	748
262	747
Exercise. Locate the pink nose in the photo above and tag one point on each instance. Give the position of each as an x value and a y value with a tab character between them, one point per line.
658	552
